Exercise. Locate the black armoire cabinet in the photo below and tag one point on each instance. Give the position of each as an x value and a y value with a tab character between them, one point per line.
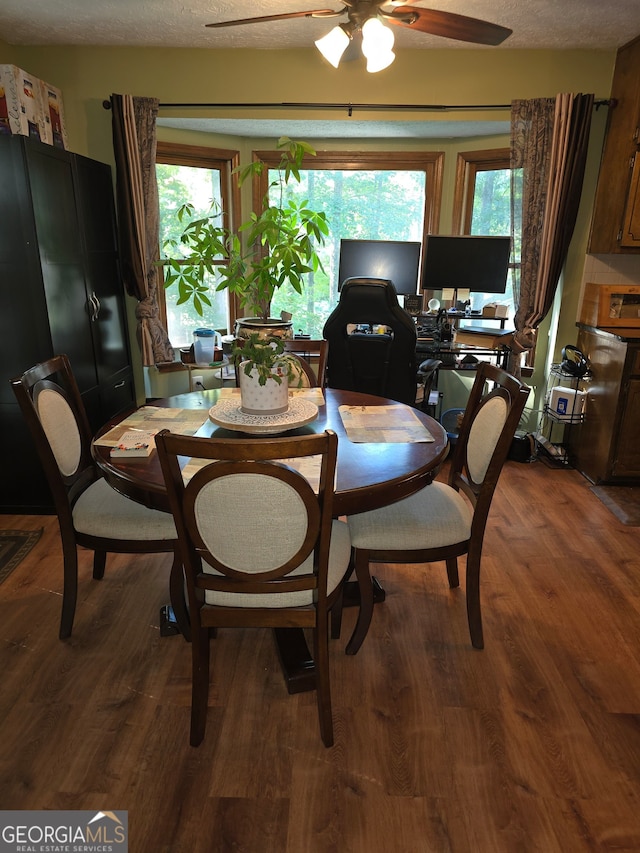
60	292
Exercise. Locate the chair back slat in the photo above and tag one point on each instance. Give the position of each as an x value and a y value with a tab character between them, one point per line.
484	434
52	407
60	426
248	523
494	408
283	528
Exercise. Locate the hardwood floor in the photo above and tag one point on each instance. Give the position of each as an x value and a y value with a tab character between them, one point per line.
530	745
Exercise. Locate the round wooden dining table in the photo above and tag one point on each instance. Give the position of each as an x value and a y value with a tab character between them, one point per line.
368	475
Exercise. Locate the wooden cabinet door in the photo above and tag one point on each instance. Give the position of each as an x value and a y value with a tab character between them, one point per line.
627	456
615	208
631	225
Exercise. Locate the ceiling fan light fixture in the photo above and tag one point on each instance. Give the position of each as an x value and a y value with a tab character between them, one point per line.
334	44
377	44
376	37
380	61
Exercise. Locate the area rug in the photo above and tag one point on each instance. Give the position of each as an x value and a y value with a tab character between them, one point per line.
622	501
14	547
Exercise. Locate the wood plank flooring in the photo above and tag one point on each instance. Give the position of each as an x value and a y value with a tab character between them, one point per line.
532	745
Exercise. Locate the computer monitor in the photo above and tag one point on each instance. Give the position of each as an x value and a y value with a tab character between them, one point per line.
477	264
395	260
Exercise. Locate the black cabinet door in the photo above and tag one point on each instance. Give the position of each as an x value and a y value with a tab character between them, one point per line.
60	246
24	325
60	292
104	287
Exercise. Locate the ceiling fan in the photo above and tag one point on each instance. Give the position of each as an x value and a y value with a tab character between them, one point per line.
369	16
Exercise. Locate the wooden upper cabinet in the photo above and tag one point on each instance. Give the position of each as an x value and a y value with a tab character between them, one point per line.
631	225
615	225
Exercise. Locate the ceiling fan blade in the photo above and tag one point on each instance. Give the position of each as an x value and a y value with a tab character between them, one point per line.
315	13
448	24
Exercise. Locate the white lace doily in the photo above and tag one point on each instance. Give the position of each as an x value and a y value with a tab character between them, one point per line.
228	414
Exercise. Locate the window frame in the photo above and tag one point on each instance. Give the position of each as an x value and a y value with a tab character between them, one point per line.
227	161
468	164
429	162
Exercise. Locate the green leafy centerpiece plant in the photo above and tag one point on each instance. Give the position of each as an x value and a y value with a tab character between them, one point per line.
265	373
272	249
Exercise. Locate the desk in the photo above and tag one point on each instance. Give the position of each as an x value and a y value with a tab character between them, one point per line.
368	476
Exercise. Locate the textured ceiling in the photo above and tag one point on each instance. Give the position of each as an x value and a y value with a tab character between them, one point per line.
535	23
554	24
350	129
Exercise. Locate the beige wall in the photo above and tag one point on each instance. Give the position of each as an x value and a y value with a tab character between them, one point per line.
7	54
89	75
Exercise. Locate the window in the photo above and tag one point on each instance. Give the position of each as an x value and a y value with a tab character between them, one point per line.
482	205
200	176
376	196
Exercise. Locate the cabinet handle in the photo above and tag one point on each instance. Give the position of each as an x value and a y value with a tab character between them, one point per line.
97	304
92	310
119	384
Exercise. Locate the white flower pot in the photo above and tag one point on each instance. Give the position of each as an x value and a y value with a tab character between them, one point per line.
272	398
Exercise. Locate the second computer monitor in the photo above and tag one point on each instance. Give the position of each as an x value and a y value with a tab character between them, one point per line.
396	260
477	264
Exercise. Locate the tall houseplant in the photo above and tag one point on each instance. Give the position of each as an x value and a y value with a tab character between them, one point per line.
273	248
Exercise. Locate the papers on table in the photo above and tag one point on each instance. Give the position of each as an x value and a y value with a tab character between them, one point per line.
154	419
308	466
383	424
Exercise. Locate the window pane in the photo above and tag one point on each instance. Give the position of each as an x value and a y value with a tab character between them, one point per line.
360	205
199	186
491	216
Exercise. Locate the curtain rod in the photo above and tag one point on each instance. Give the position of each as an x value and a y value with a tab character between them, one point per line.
349	108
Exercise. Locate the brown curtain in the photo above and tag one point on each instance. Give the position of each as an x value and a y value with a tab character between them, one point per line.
549	141
134	143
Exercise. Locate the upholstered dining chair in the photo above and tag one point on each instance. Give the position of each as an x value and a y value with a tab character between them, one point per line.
305	378
313	353
258	545
446	520
90	513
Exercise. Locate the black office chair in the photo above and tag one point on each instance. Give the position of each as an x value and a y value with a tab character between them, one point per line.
384	365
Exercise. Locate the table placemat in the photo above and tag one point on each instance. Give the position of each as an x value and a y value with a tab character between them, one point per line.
308	466
155	418
394	424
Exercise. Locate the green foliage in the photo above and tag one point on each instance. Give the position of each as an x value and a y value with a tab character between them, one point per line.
359	204
204	242
280	243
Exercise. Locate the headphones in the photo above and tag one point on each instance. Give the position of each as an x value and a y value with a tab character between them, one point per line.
573	362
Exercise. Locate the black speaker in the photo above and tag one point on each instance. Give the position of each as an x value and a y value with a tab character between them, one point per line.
574	362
